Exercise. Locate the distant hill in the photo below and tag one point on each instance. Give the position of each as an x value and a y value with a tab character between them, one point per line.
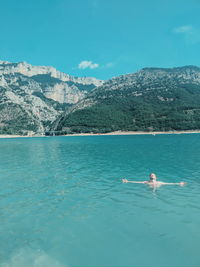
150	100
32	97
43	100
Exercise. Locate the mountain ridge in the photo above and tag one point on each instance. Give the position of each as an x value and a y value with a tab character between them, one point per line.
32	97
27	69
145	100
41	99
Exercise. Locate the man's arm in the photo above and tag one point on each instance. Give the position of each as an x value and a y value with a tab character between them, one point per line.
134	182
181	183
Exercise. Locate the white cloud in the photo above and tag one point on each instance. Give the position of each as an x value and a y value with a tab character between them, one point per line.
183	29
87	64
190	34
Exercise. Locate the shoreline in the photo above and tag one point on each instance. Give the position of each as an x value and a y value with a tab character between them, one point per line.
135	133
111	133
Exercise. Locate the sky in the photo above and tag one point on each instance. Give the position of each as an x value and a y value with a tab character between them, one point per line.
100	38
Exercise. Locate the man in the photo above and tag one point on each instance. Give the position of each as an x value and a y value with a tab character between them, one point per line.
153	181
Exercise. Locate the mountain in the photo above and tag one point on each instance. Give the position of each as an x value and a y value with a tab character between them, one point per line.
40	99
29	70
148	100
32	97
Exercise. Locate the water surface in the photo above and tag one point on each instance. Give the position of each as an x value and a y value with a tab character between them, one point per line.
62	202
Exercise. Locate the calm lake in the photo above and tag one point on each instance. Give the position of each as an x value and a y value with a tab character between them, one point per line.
62	203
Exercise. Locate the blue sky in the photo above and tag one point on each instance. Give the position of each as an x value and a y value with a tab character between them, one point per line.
100	38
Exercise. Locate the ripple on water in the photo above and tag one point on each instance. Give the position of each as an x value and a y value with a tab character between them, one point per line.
62	197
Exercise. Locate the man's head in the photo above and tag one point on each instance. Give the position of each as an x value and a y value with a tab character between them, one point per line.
152	177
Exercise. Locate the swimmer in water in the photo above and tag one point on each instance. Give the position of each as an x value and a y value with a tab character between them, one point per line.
153	181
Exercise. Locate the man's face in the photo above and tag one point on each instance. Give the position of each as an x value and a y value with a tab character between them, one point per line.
153	176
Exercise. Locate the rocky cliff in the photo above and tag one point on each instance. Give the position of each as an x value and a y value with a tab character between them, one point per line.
43	100
31	97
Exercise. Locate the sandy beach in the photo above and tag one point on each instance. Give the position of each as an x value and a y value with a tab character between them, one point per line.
18	136
111	133
10	136
136	133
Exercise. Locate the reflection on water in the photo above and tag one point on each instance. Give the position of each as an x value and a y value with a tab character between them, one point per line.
28	257
62	202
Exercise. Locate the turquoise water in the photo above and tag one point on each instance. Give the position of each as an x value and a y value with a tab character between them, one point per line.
62	202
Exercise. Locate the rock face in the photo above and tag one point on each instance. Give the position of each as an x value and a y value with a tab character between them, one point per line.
56	85
30	70
40	100
151	99
31	97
